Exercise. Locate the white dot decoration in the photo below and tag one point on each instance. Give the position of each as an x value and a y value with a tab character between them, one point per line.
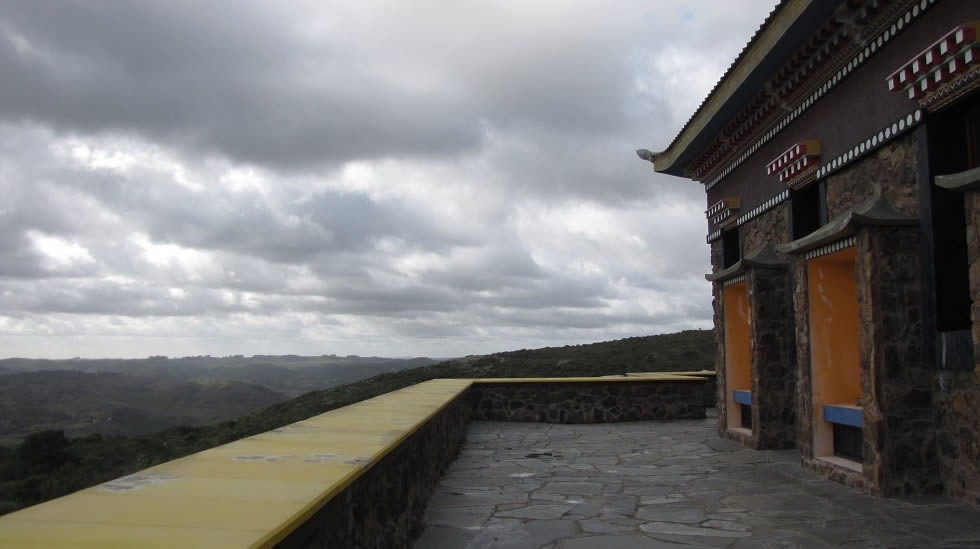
861	148
894	128
918	116
874	141
888	133
881	136
908	16
880	41
901	124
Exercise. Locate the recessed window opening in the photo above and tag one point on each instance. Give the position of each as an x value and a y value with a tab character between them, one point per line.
848	442
954	146
809	209
746	416
731	244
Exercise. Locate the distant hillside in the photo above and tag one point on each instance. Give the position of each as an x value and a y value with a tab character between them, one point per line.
82	404
291	375
73	464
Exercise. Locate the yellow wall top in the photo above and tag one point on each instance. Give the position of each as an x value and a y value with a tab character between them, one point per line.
249	493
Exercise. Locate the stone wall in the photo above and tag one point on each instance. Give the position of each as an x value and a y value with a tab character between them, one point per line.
593	402
771	226
773	360
771	340
719	331
385	507
900	436
804	384
890	172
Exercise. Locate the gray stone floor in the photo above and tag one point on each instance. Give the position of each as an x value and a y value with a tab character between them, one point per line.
662	484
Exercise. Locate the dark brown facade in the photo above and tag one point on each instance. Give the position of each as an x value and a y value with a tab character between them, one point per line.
845	279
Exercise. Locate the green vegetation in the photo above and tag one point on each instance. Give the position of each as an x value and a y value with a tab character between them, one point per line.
48	464
82	403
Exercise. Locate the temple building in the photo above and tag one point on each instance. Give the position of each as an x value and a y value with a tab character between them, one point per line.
840	155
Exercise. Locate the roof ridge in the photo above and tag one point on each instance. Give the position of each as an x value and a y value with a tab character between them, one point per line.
755	36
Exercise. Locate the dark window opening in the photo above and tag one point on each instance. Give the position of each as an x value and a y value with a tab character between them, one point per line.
731	245
746	416
809	209
848	442
954	146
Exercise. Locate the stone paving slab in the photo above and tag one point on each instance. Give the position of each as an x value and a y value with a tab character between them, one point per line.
663	484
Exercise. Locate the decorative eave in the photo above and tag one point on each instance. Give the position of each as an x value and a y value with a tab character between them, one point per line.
961	182
724	213
943	71
876	212
766	88
765	257
756	53
798	165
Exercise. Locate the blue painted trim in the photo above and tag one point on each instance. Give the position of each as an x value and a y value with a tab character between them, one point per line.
743	397
842	415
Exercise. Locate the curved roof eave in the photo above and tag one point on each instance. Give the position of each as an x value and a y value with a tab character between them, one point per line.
783	31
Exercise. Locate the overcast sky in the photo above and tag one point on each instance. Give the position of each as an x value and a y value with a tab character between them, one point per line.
394	178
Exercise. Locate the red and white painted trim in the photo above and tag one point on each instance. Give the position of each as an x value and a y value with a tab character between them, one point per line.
724	212
797	165
872	46
939	64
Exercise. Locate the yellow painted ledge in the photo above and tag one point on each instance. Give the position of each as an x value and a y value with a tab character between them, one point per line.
248	493
255	491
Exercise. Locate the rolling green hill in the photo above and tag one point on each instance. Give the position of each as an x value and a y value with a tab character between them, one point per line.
49	464
81	404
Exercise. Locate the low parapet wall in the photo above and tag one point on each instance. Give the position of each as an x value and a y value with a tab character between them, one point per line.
358	476
385	507
596	401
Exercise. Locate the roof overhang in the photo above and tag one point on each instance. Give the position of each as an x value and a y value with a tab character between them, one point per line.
786	30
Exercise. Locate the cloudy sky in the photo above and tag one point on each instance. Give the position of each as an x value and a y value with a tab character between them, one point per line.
356	177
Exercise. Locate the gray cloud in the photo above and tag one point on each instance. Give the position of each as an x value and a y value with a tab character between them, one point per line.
371	177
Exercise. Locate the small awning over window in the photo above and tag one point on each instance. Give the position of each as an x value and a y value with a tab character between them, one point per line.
765	257
876	212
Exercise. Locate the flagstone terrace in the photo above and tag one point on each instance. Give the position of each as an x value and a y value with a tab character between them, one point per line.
663	484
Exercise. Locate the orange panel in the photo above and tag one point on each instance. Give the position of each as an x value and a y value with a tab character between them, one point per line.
738	360
834	354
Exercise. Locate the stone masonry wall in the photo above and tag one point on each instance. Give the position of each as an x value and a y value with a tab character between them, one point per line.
385	507
890	172
771	339
597	402
719	331
771	226
773	360
804	385
900	436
